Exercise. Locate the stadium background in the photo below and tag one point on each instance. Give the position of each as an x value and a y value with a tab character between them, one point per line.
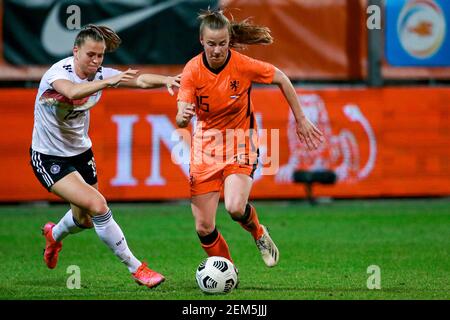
381	96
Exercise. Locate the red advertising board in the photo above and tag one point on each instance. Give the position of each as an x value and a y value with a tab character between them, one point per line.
380	142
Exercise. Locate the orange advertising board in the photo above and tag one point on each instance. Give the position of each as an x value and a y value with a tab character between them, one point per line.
380	142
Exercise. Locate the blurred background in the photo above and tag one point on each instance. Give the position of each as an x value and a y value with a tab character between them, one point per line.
373	75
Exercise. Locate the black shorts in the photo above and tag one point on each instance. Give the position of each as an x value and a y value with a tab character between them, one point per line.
49	169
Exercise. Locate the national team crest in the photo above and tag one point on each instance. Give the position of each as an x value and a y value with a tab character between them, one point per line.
234	85
54	169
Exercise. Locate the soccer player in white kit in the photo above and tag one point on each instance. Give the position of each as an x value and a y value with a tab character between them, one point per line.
61	154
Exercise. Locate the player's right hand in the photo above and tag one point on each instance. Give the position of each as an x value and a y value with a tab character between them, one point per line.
188	112
122	77
185	113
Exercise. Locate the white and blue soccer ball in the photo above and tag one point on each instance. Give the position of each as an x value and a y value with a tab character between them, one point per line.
216	275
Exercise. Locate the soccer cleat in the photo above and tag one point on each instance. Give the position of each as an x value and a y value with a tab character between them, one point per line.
268	249
52	247
147	277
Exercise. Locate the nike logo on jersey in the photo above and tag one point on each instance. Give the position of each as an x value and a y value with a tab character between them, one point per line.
58	40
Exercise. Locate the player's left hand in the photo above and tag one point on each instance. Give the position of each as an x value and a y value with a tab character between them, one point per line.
308	134
171	82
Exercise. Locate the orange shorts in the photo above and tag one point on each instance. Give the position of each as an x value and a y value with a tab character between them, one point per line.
211	180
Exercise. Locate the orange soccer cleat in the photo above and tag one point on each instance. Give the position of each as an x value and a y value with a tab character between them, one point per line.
147	277
52	247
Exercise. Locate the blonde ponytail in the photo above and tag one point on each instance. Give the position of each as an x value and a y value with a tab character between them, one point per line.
241	33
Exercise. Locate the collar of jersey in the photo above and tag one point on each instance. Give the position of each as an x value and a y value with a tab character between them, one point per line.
218	70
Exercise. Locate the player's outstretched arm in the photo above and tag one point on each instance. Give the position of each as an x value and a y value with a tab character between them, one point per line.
307	132
82	90
149	81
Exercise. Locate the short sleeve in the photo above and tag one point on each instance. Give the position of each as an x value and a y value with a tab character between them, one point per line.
109	72
186	92
57	73
258	71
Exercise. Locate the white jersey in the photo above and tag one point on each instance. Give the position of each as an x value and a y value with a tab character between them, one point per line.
61	125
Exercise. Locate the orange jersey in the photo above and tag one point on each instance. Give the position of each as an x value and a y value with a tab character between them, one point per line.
222	98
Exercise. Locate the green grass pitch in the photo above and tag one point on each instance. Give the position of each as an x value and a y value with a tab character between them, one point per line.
325	252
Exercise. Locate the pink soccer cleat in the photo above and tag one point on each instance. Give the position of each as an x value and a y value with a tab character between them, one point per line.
147	277
52	247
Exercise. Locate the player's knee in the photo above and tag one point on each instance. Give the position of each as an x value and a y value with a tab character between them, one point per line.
203	229
235	208
98	206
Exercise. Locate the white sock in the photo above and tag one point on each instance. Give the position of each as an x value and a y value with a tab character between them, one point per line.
109	231
65	226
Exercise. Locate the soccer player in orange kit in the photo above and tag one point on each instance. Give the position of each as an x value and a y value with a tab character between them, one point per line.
216	86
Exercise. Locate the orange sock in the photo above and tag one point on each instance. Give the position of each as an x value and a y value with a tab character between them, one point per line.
250	222
218	246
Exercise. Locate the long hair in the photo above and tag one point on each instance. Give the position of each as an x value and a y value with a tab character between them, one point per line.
98	33
241	33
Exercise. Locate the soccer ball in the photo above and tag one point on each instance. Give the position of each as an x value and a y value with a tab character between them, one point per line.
216	275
